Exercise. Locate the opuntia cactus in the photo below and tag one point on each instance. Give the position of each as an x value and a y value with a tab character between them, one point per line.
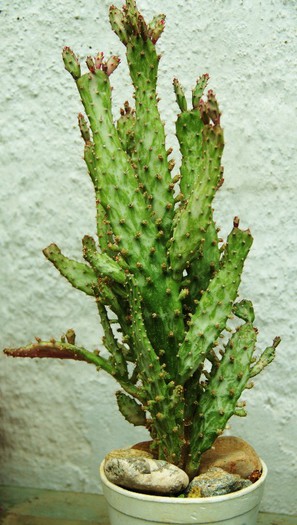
158	264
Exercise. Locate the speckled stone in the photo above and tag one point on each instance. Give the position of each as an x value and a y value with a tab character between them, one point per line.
216	482
146	475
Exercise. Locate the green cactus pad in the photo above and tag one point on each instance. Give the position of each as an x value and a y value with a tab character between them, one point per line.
80	275
265	358
218	401
215	305
244	310
131	410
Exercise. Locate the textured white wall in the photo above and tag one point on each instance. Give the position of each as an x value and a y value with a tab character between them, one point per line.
59	419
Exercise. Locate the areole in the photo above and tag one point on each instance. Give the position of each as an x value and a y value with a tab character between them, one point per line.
131	508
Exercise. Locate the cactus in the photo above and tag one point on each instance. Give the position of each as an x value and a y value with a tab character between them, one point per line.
158	263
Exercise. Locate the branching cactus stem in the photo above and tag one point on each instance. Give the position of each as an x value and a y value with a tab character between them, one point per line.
165	284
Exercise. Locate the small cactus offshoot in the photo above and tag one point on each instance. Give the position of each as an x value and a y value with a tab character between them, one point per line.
158	268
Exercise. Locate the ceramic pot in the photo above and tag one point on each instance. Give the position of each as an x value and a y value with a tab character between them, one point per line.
131	508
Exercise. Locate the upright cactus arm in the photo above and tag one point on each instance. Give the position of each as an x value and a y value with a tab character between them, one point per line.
164	400
215	305
190	131
114	170
265	358
136	236
218	401
120	308
201	144
126	128
204	265
149	154
112	345
105	235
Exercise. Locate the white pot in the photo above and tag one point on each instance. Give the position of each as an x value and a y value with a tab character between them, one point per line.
131	508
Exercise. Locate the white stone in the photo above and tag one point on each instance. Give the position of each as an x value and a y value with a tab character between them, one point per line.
146	475
216	482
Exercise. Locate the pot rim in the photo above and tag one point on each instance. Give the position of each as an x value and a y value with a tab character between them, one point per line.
184	501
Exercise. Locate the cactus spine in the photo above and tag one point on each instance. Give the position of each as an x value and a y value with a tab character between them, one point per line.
158	264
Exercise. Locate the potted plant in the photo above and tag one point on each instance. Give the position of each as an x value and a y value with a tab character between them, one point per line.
181	345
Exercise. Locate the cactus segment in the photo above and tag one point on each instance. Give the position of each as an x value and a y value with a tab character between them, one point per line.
113	170
244	310
60	350
126	128
167	417
84	128
101	262
215	305
117	22
131	410
202	269
265	358
180	95
112	345
150	150
105	235
71	63
149	155
201	175
78	274
111	64
198	90
156	28
218	401
190	131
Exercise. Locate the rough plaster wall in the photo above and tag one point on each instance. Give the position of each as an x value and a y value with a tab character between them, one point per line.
59	419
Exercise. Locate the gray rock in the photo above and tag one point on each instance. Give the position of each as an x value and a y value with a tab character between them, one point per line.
151	476
216	482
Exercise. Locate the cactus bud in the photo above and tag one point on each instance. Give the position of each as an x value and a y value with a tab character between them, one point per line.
156	28
71	63
84	129
199	89
99	60
180	95
111	64
91	64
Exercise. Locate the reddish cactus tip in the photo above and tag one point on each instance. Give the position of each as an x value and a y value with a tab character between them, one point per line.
99	60
236	222
91	64
111	64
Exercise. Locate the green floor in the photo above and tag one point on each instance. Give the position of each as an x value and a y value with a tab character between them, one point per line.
23	506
